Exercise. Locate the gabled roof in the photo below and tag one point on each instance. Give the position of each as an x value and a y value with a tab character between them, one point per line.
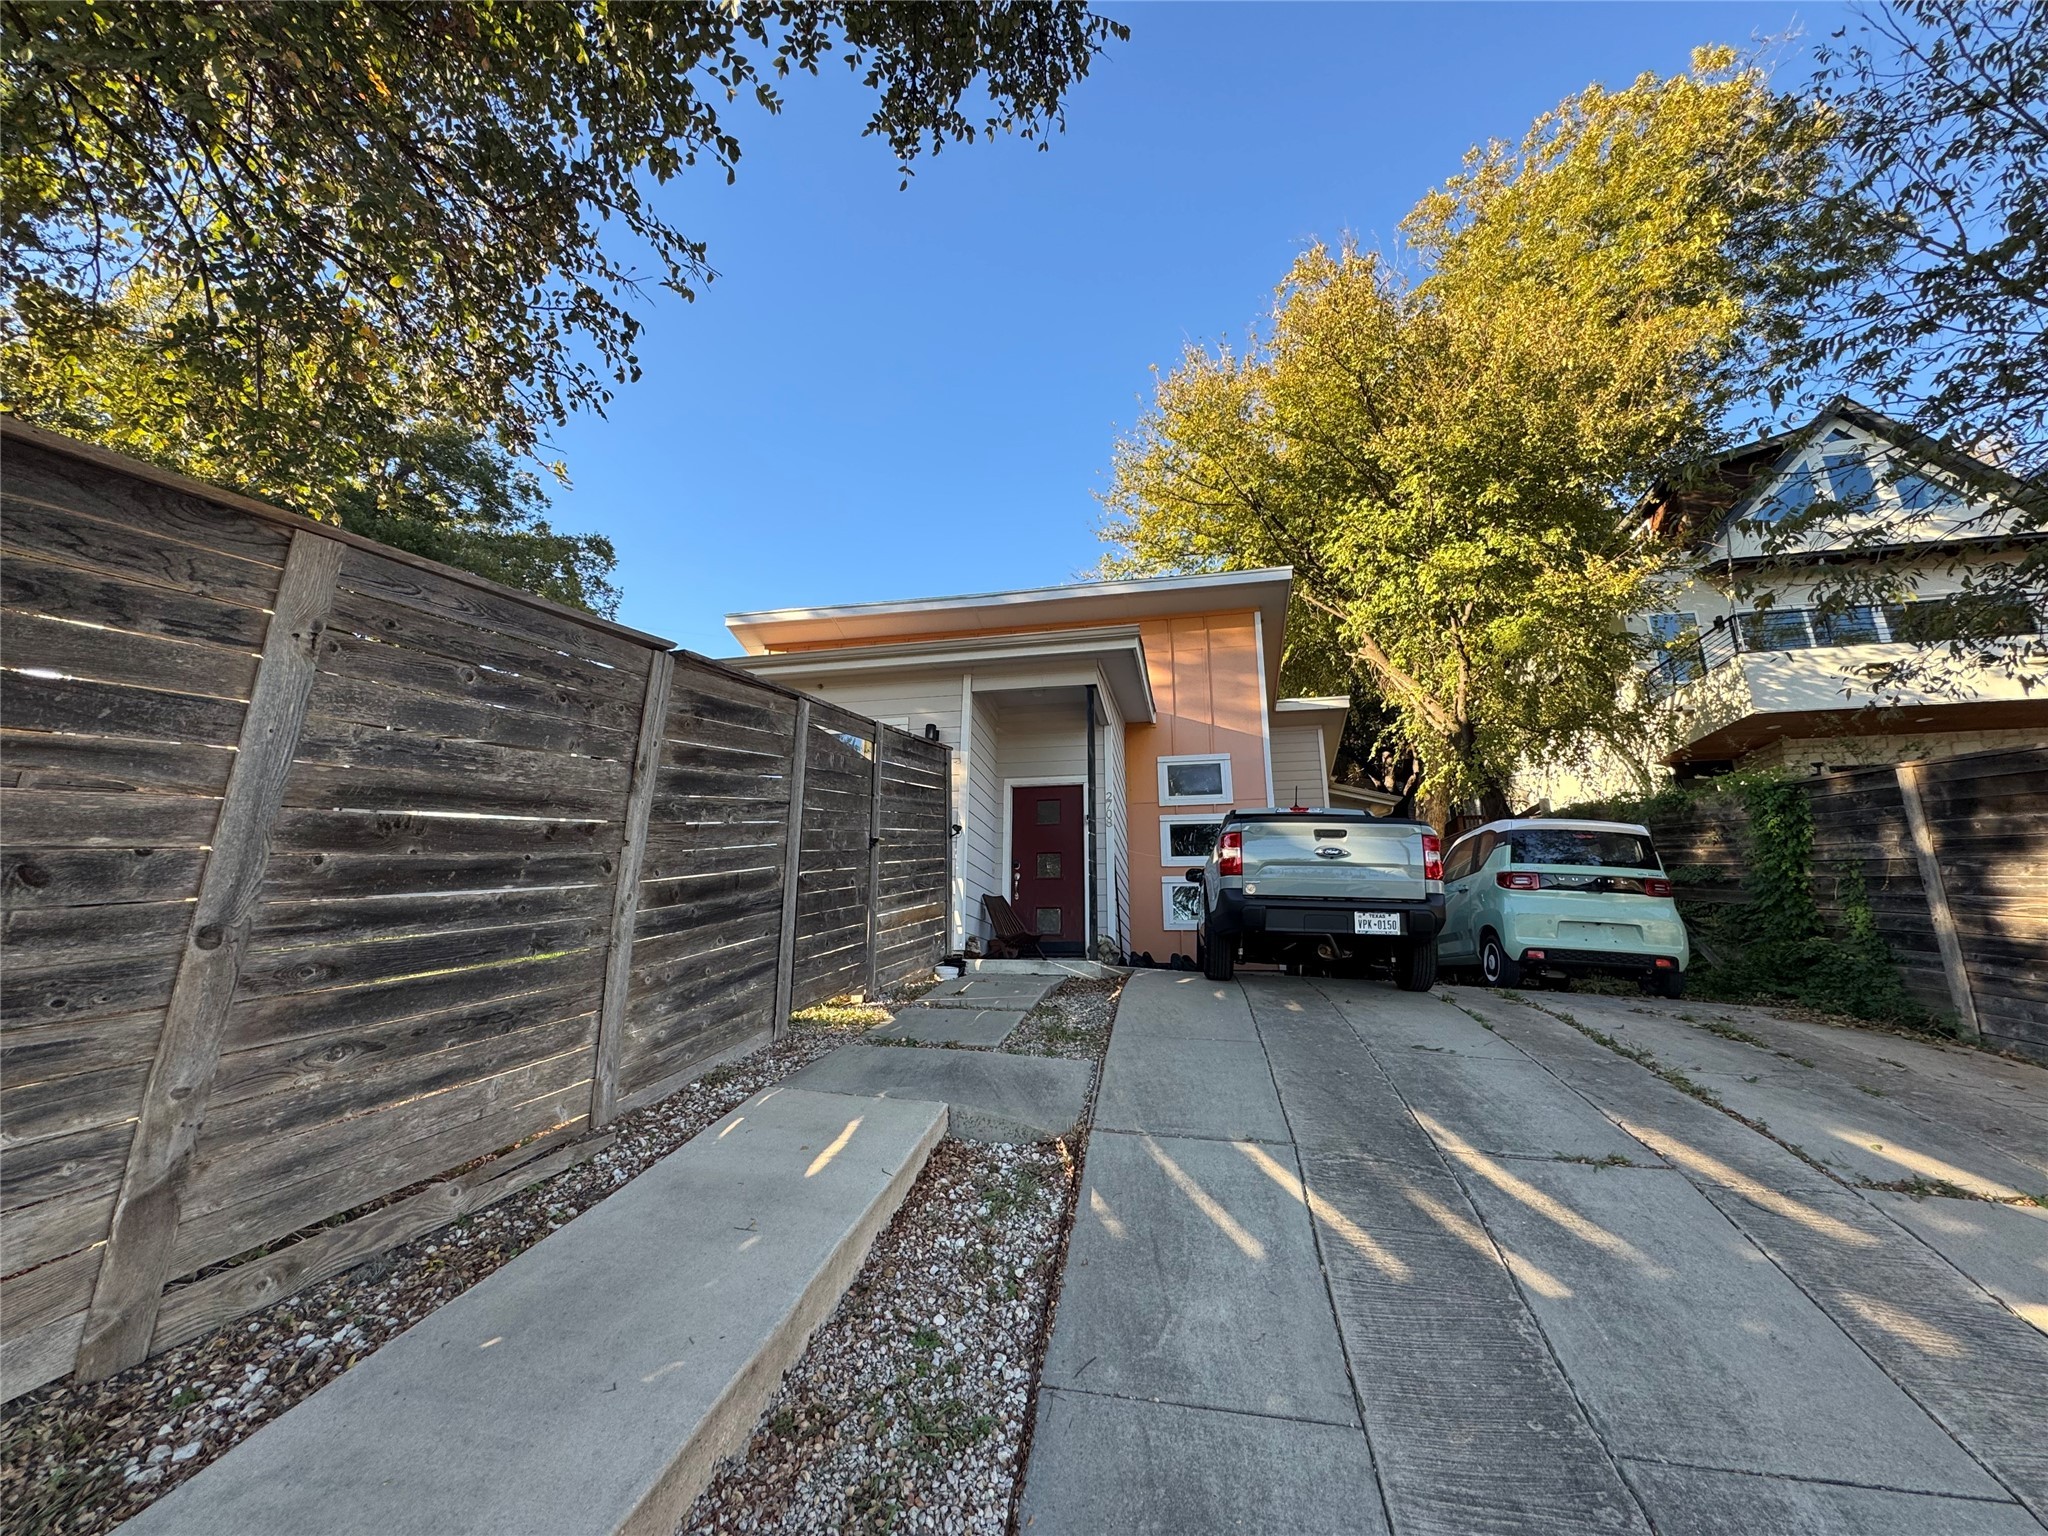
1697	513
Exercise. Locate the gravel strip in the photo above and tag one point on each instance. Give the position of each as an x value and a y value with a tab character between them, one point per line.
909	1412
1072	1021
78	1458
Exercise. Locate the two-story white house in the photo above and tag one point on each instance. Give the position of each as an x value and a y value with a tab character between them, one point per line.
1753	670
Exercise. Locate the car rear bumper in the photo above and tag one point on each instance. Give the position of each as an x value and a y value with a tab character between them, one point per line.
1289	915
1589	962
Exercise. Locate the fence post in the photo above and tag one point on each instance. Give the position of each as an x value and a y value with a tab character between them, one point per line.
145	1220
618	963
792	866
1911	779
873	984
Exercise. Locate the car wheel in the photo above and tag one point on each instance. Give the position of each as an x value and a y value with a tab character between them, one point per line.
1415	966
1219	961
1668	984
1495	968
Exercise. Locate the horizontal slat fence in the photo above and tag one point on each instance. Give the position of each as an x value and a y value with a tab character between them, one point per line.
1985	817
340	884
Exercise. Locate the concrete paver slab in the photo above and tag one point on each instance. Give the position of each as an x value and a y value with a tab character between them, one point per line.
951	1026
1102	1464
1334	1093
1693	1501
2004	1248
1182	1005
1411	1024
1977	1368
993	1096
1852	1124
1024	992
1189	1088
1192	1278
1475	1428
1514	1108
1688	1347
592	1384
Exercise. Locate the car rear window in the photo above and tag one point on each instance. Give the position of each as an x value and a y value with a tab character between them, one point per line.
1579	846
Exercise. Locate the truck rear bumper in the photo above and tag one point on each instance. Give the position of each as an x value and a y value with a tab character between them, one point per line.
1298	916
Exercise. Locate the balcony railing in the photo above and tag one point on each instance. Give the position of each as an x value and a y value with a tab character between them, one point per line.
1695	654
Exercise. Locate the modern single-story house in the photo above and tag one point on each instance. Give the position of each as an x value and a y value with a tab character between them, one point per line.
1099	732
1754	673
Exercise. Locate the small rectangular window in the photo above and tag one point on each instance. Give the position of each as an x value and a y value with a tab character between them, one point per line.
1194	780
1852	626
1182	902
1048	921
1186	839
1048	866
1048	813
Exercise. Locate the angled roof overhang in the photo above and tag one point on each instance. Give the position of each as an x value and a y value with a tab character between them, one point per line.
1046	657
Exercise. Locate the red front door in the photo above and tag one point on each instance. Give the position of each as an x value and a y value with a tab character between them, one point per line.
1047	885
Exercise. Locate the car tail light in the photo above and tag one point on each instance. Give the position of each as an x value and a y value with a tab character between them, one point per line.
1666	963
1656	887
1534	954
1519	880
1432	856
1230	854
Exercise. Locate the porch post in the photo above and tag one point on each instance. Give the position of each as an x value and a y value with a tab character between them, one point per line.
1094	889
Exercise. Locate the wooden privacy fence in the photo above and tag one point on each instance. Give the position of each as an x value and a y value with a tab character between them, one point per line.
331	873
1953	853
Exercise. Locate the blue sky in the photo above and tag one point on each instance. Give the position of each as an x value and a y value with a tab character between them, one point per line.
902	393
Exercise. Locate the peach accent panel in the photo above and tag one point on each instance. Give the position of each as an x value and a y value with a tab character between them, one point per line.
1205	687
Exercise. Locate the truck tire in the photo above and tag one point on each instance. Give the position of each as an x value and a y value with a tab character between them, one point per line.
1415	966
1219	961
1496	968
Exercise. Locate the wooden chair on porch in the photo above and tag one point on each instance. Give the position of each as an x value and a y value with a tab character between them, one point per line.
1012	941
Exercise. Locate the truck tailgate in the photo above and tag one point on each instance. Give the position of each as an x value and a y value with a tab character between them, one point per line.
1334	860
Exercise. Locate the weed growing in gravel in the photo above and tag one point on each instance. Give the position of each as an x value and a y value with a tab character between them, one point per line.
1730	1032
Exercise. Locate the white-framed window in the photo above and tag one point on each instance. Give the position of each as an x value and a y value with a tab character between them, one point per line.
1180	902
1201	778
1185	841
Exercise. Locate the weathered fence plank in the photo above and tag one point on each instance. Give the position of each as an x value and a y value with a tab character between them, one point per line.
299	914
611	1019
123	1316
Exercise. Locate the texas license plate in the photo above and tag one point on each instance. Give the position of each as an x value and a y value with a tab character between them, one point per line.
1376	922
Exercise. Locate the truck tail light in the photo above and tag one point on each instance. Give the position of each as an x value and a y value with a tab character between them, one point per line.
1656	887
1230	854
1519	880
1432	856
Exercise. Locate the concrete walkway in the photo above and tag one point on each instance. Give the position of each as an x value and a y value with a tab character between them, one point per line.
1353	1260
591	1385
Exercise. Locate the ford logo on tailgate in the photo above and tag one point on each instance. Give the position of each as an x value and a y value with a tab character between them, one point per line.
1329	851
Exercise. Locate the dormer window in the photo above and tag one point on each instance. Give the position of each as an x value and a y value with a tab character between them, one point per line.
1853	482
1795	493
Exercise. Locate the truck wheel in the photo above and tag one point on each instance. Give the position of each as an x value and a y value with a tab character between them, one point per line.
1219	961
1415	966
1495	968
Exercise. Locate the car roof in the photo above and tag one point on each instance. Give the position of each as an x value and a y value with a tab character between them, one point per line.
1519	823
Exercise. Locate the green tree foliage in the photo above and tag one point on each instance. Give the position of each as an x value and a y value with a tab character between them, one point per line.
1936	306
1438	452
285	245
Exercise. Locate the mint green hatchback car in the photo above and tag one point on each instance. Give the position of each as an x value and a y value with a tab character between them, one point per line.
1544	901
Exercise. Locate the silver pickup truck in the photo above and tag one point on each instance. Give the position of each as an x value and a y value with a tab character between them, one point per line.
1319	890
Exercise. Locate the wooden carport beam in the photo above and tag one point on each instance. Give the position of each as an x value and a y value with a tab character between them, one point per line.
145	1222
1911	781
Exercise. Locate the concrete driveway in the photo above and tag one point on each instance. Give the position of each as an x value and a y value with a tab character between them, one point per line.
1354	1260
